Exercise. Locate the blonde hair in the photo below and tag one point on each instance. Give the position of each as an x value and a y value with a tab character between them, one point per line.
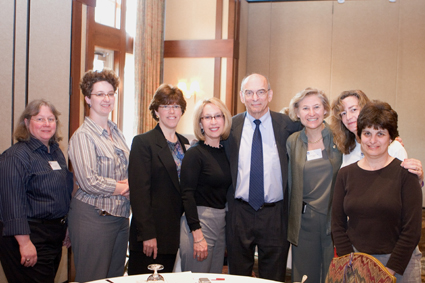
199	108
344	139
294	104
22	133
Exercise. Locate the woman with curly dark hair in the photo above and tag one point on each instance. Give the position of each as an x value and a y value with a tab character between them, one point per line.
154	178
98	216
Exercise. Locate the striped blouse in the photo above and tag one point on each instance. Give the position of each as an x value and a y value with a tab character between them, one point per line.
98	164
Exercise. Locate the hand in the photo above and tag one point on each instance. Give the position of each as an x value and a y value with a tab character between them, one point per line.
27	250
200	246
122	189
150	247
67	241
414	166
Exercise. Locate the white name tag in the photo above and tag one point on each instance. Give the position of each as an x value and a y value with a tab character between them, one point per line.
55	165
314	154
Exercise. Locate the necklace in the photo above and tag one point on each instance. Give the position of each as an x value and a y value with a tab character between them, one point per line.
316	141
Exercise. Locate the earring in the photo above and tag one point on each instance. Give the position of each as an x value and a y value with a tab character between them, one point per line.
202	131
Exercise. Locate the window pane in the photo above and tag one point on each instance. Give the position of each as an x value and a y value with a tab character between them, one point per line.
106	13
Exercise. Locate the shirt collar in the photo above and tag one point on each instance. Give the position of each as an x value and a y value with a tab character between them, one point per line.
34	144
264	119
98	129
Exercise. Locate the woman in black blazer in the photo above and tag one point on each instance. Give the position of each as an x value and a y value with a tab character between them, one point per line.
153	177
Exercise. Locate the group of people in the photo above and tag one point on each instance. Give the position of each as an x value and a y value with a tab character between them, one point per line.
261	181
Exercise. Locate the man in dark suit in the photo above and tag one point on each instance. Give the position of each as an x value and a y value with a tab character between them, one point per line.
258	197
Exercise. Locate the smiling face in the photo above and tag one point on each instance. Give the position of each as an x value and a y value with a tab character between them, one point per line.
101	106
256	105
375	142
350	113
39	125
212	122
311	111
169	117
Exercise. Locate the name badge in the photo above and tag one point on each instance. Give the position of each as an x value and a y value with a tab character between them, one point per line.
314	154
55	165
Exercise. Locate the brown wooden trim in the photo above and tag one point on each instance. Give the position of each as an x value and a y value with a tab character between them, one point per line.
74	109
129	44
198	48
229	86
121	56
218	35
91	3
217	77
107	37
219	19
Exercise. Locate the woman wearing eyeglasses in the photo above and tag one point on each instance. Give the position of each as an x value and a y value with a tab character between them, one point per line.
98	217
35	192
204	182
154	178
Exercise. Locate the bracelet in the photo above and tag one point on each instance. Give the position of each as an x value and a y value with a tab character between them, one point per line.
200	240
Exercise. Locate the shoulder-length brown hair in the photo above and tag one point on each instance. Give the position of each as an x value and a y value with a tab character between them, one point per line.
22	132
167	94
343	138
198	113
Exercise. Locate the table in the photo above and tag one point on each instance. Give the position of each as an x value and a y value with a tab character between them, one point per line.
186	277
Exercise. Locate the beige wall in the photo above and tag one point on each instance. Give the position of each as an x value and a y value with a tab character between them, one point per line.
48	67
373	45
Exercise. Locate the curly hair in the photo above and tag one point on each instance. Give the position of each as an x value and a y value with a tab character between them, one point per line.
91	77
167	94
344	139
22	133
378	115
199	108
294	104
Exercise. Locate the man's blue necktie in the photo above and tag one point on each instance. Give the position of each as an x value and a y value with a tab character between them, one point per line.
256	176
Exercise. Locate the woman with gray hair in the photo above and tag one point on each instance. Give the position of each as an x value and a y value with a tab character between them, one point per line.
35	193
314	162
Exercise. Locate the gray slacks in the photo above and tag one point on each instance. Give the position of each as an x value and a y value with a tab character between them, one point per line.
315	251
99	242
213	227
412	273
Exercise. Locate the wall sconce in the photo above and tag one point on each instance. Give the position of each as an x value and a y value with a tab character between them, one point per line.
193	89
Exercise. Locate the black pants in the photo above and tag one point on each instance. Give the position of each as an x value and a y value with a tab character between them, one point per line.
266	229
47	239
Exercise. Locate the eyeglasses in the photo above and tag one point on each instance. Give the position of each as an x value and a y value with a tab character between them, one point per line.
260	93
102	94
169	107
40	120
216	117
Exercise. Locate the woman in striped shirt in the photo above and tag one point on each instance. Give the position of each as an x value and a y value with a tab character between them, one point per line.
98	216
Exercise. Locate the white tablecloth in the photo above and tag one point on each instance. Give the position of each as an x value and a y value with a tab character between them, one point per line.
186	277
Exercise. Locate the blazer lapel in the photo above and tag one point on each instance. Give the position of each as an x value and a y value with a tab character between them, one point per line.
164	154
233	151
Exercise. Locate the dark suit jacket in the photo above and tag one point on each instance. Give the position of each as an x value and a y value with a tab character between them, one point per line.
154	192
283	127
